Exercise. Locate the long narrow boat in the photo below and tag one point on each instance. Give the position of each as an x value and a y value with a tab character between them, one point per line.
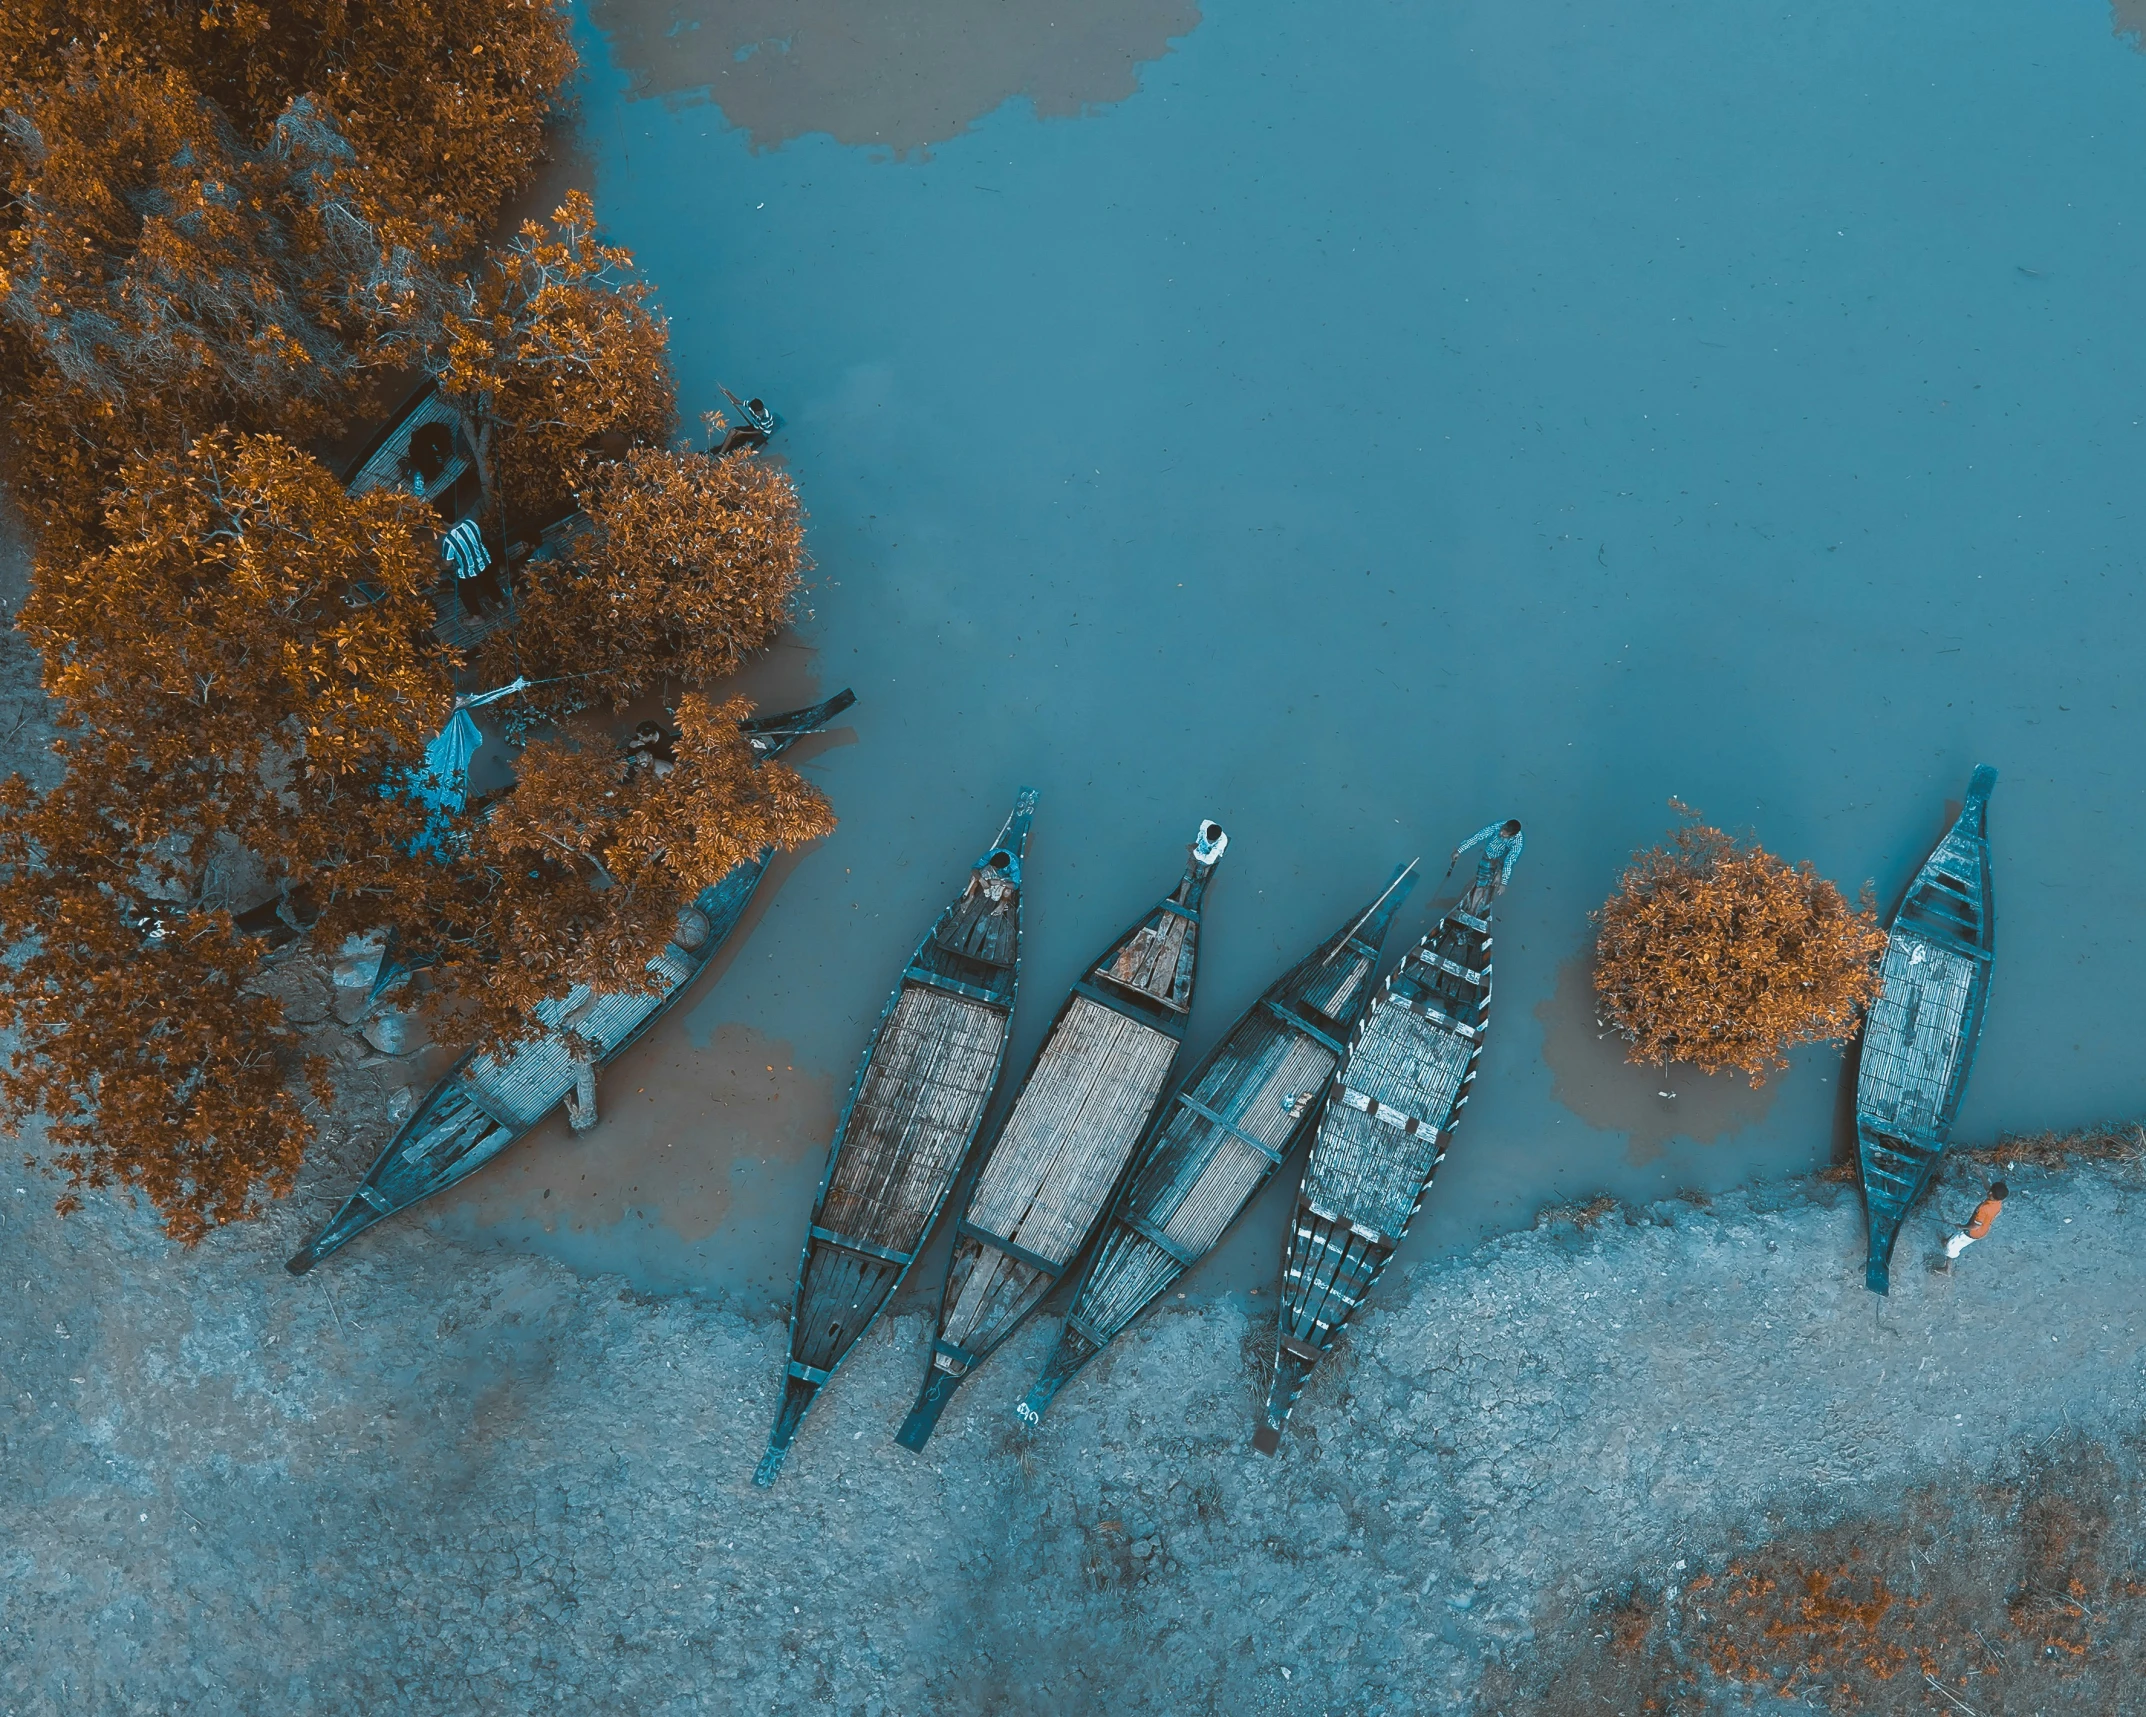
912	1115
1217	1142
1920	1037
1041	1186
483	1104
1385	1130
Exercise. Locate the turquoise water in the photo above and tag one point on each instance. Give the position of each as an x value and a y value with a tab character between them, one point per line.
1393	418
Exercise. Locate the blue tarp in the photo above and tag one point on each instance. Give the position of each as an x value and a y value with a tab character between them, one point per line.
442	781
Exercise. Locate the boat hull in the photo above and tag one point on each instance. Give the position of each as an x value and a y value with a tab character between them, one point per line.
1241	1114
1921	1034
1381	1139
1042	1185
911	1118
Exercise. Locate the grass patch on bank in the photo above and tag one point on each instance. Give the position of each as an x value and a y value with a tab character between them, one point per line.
2104	1142
2021	1595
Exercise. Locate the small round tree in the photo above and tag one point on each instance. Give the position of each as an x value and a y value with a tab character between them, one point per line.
690	564
1716	953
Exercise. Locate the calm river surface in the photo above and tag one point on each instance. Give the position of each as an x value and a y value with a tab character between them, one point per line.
1360	424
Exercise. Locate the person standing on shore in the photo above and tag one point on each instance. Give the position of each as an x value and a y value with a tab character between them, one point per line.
1978	1224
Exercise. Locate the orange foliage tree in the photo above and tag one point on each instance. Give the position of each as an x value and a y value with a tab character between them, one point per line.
247	681
208	205
219	218
161	277
1718	954
590	861
549	347
446	99
235	675
689	564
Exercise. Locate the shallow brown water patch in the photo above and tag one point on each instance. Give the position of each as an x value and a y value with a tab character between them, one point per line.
699	1175
896	74
1593	1079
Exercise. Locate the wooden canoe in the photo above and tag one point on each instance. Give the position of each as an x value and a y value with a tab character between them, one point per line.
483	1104
1041	1187
1920	1036
912	1115
1384	1132
1240	1115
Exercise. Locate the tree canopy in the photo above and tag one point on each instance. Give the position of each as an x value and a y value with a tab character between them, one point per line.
549	347
212	209
1716	953
689	564
220	220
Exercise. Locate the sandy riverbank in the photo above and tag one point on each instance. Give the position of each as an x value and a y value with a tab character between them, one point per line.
430	1480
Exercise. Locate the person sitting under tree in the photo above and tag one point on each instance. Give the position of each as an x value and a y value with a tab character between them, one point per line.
1978	1224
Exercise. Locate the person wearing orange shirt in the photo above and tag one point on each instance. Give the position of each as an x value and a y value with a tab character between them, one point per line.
1978	1224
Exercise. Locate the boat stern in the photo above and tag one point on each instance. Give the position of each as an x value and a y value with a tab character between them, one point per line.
1377	919
1292	1369
1878	1265
938	1390
1073	1351
772	735
798	1395
355	1216
1011	847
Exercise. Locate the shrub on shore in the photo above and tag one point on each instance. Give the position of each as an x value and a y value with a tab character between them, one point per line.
1715	953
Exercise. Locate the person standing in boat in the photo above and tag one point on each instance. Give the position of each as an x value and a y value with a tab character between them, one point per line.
1501	844
1978	1225
475	580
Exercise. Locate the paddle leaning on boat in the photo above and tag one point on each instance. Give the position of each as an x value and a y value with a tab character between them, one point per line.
1920	1037
912	1115
1240	1115
1043	1182
1395	1102
484	1103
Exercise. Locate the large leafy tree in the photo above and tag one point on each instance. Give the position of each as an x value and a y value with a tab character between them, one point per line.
160	276
247	679
1715	953
689	563
581	871
211	209
236	674
551	346
214	227
445	99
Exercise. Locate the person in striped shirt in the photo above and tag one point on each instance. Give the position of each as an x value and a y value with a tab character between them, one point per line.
475	581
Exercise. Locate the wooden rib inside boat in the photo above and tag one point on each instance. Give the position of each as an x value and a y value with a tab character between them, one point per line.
1220	1138
484	1103
1383	1134
912	1115
1920	1038
1041	1187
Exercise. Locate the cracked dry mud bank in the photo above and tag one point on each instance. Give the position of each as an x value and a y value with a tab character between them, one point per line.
427	1480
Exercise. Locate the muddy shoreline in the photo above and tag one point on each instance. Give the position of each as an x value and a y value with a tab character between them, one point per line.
426	1479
